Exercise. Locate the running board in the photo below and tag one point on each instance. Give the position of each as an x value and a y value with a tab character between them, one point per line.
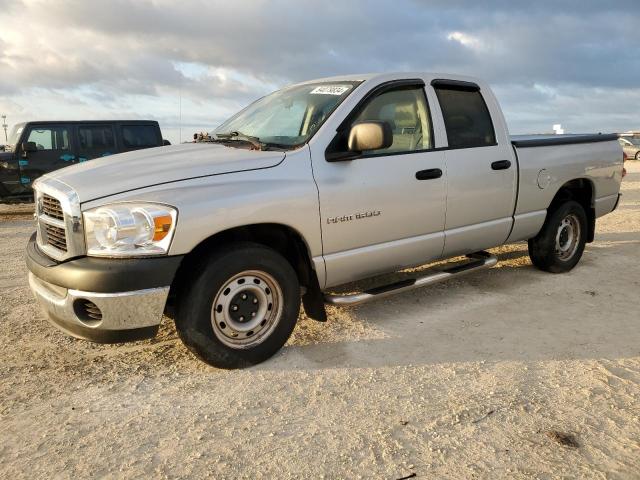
478	261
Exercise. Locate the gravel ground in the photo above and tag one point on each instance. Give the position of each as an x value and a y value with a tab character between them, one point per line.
506	373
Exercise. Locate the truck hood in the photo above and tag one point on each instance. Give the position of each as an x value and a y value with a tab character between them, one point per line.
143	168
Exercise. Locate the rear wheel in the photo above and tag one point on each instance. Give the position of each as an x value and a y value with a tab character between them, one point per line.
638	155
241	306
560	244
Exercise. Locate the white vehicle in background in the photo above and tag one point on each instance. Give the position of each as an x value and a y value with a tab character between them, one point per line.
631	146
316	185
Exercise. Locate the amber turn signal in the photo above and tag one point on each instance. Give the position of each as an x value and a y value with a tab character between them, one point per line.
162	227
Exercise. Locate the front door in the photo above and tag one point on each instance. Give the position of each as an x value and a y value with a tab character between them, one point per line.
384	210
53	151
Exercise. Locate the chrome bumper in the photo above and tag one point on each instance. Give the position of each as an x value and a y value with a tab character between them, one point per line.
113	317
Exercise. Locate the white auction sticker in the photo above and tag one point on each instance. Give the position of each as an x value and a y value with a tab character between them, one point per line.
330	90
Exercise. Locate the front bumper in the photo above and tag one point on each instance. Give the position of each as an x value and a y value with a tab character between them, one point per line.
102	300
124	316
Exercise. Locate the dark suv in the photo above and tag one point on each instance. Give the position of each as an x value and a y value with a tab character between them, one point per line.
36	148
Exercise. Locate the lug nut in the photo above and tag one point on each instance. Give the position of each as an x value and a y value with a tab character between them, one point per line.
244	296
234	307
255	300
253	314
241	319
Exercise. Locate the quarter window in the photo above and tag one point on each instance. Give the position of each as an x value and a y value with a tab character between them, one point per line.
466	118
407	112
139	136
56	138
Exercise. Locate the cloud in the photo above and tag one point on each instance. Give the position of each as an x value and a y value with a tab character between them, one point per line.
124	56
465	40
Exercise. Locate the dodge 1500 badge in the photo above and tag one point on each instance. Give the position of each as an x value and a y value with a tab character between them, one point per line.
316	185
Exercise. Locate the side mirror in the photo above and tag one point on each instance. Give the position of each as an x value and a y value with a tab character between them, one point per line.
370	136
29	147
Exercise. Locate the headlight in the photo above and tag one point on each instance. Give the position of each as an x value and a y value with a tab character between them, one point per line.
129	229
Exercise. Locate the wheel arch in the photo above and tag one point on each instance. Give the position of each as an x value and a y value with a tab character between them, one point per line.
581	190
282	238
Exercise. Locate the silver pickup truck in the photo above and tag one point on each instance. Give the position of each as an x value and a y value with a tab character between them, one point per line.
316	185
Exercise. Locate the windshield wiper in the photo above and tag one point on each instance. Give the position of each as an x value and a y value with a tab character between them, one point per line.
254	141
241	137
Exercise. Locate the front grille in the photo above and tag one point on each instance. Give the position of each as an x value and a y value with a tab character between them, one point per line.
51	207
56	237
60	234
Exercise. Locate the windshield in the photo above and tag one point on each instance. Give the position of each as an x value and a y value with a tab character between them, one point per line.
634	140
288	117
14	136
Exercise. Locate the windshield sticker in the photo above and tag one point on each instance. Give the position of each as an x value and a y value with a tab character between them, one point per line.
330	90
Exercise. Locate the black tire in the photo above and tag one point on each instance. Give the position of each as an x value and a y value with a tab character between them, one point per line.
546	249
638	155
196	319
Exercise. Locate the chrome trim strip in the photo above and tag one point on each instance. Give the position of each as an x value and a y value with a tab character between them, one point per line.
51	221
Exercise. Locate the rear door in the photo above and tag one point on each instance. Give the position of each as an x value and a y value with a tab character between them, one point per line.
54	151
95	140
481	170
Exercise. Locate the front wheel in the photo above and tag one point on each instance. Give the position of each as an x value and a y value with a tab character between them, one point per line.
240	307
560	244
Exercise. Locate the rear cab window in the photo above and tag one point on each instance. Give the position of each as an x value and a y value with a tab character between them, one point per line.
466	117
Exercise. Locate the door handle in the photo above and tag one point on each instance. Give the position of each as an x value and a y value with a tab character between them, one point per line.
429	174
501	165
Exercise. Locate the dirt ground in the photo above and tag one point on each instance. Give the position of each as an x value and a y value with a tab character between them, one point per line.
506	373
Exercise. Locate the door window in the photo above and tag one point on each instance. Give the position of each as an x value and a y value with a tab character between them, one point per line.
139	136
407	112
53	138
466	118
99	137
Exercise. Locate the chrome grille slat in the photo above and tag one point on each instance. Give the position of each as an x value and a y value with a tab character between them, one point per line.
52	208
56	238
55	233
51	221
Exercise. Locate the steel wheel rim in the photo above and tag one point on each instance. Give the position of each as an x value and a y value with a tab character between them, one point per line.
246	309
568	237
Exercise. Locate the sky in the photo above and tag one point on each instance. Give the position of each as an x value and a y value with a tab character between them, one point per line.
191	64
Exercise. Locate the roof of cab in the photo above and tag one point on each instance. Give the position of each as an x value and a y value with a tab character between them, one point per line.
383	77
73	122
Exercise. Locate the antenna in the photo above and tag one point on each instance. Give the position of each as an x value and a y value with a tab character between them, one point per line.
4	126
180	117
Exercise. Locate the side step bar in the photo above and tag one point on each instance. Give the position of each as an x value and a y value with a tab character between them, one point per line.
478	261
